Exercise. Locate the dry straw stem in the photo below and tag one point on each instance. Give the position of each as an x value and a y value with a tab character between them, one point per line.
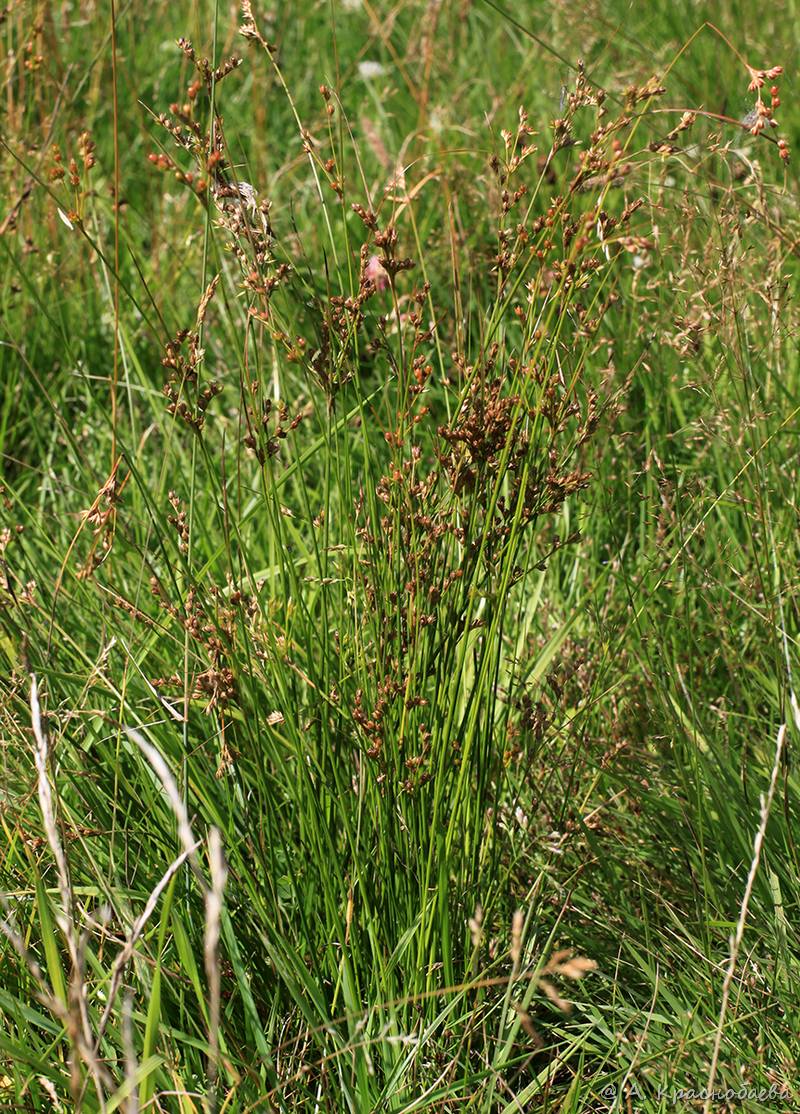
130	944
736	939
75	1017
164	775
57	1008
43	991
129	1048
47	808
214	897
212	894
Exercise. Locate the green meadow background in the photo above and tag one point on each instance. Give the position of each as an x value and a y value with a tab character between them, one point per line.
404	720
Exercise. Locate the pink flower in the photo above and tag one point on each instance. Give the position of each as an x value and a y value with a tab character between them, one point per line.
374	273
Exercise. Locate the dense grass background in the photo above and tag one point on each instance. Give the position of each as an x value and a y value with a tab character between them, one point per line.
486	746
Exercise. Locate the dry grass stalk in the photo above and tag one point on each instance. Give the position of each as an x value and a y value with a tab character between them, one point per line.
130	944
170	787
75	1016
214	898
736	939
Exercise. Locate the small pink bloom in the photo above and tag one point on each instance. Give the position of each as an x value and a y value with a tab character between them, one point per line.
374	273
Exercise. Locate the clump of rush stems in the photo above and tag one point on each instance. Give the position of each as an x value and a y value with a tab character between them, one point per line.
452	514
